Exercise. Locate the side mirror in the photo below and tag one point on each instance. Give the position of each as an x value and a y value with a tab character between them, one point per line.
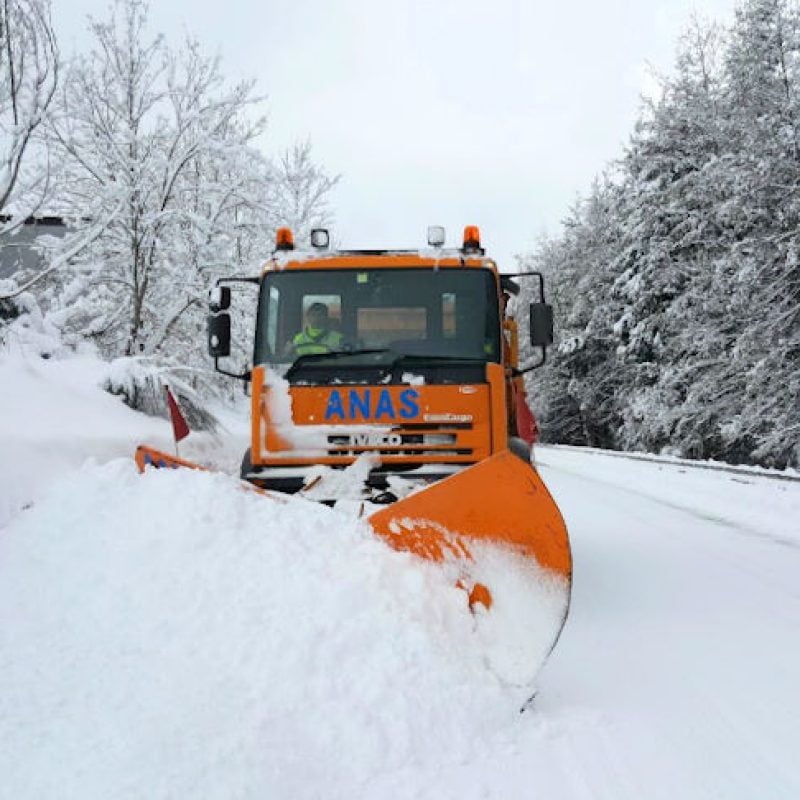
219	334
219	299
541	324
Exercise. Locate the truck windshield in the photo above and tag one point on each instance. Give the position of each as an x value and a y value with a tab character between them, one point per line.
450	312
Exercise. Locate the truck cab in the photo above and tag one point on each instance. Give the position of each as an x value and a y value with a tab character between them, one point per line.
406	357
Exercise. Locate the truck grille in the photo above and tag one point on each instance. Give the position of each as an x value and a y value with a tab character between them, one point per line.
423	440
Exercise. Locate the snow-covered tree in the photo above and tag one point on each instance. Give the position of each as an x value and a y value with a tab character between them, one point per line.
300	190
28	79
133	121
575	394
160	174
688	260
763	83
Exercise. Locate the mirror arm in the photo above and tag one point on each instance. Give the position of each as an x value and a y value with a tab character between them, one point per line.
515	372
534	274
243	376
239	279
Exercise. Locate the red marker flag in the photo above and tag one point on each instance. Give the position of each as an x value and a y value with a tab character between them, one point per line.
180	427
526	422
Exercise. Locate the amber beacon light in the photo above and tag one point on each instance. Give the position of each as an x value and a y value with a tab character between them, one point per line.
472	237
284	239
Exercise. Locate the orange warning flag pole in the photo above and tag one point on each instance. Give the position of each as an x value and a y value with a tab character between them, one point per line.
180	427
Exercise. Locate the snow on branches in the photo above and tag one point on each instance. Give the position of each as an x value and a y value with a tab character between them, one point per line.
144	135
163	188
680	275
28	79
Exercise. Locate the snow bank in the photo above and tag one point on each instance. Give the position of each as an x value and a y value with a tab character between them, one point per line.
54	417
175	635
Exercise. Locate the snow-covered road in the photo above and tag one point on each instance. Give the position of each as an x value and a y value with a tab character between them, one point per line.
149	650
678	674
684	636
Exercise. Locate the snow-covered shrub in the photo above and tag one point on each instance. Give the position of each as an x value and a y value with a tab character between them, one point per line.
23	327
140	380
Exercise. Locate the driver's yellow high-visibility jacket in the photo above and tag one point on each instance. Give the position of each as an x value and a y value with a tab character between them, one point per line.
316	340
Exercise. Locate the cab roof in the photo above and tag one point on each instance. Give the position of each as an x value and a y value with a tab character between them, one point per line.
377	259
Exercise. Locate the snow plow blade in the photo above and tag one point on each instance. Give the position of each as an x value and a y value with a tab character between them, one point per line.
497	529
147	456
150	457
502	500
497	507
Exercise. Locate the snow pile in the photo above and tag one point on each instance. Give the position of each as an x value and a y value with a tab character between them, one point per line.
54	417
174	635
348	484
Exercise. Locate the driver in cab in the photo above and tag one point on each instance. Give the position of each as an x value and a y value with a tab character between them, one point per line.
317	335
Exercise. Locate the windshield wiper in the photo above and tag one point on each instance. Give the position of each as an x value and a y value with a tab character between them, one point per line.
312	358
417	357
399	358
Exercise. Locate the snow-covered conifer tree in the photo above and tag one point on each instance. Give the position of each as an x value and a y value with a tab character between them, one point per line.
694	279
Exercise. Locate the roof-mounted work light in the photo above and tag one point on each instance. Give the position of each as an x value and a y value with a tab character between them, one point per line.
436	235
320	238
472	239
284	239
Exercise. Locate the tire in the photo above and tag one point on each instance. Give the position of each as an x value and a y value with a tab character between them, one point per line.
520	448
247	465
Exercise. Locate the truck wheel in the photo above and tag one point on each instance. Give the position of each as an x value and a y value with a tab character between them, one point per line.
247	465
519	447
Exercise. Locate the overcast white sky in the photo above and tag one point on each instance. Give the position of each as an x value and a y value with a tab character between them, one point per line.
450	112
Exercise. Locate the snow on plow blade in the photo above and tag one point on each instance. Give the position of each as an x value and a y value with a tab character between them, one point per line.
500	528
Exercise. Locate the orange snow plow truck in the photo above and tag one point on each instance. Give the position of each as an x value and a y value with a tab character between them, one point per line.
402	366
